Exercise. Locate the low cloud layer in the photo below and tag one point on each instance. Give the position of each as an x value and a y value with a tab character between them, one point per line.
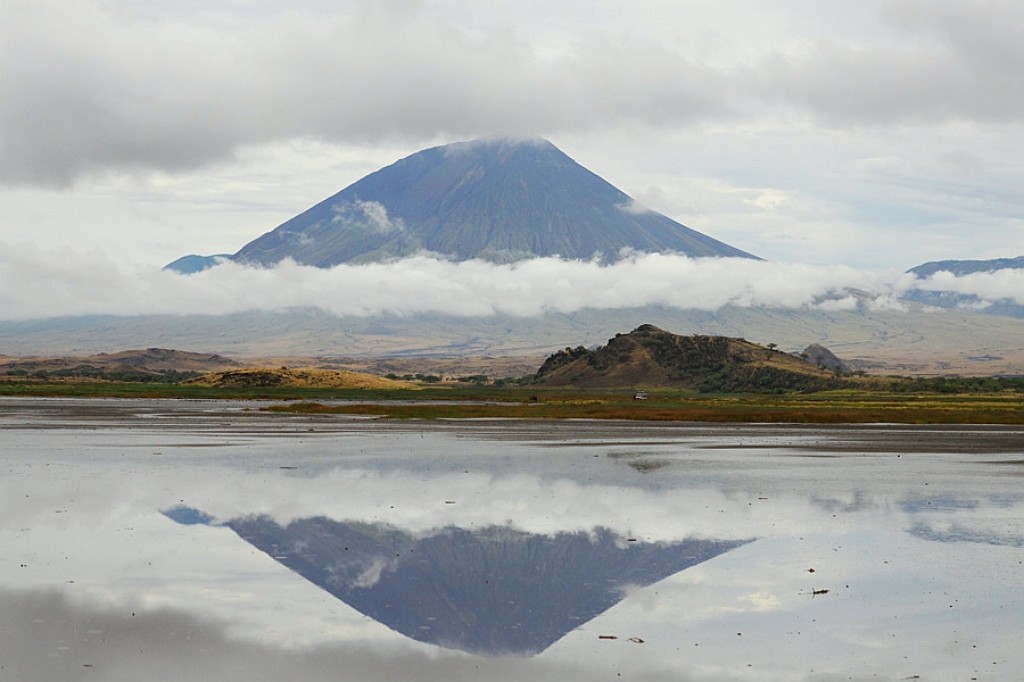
36	284
57	638
988	287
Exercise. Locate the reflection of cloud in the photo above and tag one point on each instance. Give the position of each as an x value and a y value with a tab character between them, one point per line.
955	532
50	637
36	284
995	520
371	574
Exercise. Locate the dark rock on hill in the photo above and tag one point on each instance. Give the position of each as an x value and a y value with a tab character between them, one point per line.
496	199
651	357
819	356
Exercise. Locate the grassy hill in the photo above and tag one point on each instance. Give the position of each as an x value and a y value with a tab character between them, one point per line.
651	357
268	377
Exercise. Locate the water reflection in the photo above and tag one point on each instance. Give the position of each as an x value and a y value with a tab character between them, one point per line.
897	554
495	590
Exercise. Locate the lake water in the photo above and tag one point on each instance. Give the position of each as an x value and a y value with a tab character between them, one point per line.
176	540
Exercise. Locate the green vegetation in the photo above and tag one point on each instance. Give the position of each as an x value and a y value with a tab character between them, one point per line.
947	400
190	391
830	407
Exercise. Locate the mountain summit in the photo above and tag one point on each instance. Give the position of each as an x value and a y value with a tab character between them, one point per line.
496	199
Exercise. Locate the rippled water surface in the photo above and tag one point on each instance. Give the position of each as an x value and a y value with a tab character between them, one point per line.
166	540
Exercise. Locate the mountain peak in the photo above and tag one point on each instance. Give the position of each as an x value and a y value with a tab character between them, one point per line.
494	198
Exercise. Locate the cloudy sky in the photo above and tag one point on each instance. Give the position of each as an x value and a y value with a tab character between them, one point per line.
874	135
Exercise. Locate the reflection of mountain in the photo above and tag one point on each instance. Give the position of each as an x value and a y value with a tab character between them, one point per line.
962	533
493	590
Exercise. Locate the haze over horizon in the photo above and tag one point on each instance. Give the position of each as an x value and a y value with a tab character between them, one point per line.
874	137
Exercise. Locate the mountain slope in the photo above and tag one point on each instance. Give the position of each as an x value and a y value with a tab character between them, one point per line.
966	267
500	200
649	356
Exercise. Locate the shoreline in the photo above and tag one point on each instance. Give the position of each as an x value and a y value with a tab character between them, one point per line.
212	416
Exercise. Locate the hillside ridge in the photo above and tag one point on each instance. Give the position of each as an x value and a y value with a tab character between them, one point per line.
652	357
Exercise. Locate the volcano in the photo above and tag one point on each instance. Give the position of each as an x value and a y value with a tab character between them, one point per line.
498	200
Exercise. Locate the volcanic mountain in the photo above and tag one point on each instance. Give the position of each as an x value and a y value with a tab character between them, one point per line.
496	199
648	356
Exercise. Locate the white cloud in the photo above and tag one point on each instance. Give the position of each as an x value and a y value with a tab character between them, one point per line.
366	215
634	207
94	86
1006	284
40	284
97	85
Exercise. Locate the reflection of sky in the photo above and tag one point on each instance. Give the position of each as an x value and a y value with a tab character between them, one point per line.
79	517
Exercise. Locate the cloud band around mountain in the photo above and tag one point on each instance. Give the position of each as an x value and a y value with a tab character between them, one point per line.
37	284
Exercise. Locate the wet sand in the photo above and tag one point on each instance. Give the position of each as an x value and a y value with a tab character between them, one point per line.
247	417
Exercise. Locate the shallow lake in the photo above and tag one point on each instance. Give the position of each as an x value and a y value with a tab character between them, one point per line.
179	540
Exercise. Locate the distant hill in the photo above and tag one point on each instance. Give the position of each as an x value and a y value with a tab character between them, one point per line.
901	341
164	358
953	299
966	267
186	265
264	377
150	364
651	357
496	199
